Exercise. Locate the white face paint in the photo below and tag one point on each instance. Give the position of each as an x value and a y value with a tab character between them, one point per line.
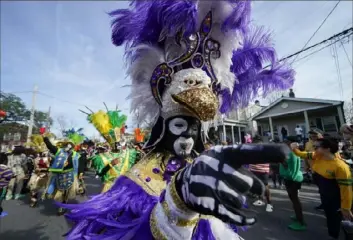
177	126
68	147
183	146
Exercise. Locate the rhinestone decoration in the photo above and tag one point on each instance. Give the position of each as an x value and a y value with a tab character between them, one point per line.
161	72
199	51
197	61
148	179
156	170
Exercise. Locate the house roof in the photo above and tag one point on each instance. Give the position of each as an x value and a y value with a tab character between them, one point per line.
307	100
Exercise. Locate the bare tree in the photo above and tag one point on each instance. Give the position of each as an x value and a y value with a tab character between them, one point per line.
72	124
348	111
62	123
142	123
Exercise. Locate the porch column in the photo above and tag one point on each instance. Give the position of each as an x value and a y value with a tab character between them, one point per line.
340	115
224	133
233	141
239	132
271	127
307	125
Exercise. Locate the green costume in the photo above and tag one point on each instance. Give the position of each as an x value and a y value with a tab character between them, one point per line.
293	170
107	171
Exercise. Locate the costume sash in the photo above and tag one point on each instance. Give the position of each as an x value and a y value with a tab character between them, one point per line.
59	161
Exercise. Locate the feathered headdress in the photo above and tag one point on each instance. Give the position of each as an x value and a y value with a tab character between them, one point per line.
37	143
108	123
186	56
74	136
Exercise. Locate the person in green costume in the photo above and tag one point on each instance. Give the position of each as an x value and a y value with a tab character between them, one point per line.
291	172
111	125
110	165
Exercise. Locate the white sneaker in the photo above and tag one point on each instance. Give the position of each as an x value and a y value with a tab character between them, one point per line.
258	203
269	208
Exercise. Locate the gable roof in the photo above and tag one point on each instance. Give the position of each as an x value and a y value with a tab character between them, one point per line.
307	100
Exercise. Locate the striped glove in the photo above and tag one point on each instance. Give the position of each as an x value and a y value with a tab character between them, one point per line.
215	183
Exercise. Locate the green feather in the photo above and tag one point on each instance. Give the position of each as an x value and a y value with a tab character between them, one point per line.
116	119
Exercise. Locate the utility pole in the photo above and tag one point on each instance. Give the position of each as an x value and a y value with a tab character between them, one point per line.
31	121
48	120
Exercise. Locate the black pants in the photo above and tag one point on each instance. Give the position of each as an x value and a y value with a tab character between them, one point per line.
276	178
333	220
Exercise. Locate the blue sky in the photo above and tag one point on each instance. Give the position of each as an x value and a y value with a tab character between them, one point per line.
65	49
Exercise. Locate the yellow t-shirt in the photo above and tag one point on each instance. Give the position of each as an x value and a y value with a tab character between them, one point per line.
333	170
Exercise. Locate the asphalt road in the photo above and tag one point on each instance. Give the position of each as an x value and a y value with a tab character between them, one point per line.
41	223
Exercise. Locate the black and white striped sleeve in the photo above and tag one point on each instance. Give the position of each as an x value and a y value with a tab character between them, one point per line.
215	183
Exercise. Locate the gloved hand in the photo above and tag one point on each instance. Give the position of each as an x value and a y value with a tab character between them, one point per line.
215	183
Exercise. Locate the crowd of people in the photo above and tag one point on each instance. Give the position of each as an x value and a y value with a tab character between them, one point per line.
36	172
323	159
189	62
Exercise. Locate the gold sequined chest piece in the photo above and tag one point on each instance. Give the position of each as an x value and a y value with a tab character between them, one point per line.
148	173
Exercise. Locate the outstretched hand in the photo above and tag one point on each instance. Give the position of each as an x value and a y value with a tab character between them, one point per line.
215	183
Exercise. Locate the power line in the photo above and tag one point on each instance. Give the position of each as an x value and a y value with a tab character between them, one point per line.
344	49
344	33
62	100
319	50
338	69
323	22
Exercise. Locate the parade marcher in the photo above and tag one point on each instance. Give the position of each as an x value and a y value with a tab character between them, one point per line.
65	171
6	175
17	162
110	165
334	179
290	170
39	175
175	193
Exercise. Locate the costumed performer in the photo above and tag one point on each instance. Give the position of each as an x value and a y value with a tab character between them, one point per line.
41	163
65	169
110	165
6	175
184	55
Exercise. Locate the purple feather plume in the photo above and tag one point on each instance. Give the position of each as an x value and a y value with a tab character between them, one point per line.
240	17
279	77
248	66
256	50
121	212
147	20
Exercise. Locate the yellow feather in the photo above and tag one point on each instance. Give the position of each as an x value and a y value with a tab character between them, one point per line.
101	122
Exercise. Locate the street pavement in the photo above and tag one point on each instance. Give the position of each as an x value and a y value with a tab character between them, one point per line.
42	223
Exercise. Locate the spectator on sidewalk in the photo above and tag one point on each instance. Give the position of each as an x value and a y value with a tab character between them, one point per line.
299	132
16	161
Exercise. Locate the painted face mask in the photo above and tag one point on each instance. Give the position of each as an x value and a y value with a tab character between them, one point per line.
181	135
68	148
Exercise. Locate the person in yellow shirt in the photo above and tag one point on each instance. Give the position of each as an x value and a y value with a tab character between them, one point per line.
314	134
334	179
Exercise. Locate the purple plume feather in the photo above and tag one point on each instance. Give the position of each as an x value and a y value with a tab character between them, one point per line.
248	63
240	17
257	49
147	20
121	212
226	100
279	77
